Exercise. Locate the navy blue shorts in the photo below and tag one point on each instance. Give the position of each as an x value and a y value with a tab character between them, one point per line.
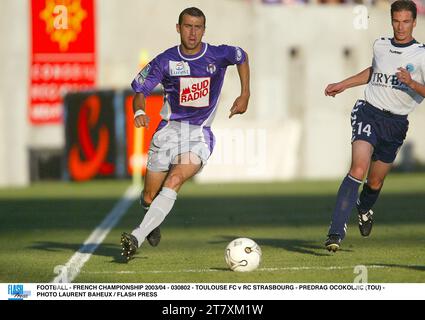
385	131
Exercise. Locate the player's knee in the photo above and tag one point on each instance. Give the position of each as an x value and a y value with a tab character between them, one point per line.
148	196
174	181
358	172
375	183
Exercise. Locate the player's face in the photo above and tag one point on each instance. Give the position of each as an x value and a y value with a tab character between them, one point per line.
403	24
191	31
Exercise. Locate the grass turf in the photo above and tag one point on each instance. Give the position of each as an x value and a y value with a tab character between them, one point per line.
43	225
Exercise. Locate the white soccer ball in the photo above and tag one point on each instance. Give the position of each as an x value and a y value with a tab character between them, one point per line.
243	255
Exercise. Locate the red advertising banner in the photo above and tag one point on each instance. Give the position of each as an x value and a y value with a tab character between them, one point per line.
90	133
63	56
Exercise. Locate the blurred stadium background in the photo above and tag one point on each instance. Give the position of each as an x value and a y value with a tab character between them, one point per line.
65	119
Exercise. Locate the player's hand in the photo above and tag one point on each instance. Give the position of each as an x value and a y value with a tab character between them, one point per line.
404	76
239	106
333	89
141	121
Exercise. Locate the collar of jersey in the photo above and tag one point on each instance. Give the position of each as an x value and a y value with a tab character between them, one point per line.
402	45
195	56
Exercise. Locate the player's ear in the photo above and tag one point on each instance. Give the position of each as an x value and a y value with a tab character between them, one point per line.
178	28
414	23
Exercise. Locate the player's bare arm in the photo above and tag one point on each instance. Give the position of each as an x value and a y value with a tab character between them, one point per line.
139	105
357	80
404	77
241	103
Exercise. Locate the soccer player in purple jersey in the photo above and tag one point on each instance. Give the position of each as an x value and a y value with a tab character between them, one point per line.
395	87
192	75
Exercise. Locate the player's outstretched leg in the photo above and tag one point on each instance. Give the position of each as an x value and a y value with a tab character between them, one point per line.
129	245
371	189
154	181
346	200
159	209
155	236
348	193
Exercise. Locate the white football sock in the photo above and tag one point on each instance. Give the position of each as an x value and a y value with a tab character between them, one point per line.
159	209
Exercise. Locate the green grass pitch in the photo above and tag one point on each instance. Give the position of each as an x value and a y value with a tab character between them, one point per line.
44	225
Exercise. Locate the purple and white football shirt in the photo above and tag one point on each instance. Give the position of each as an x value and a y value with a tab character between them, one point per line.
192	84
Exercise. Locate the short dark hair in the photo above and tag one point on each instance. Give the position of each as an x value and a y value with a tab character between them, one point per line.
194	12
404	5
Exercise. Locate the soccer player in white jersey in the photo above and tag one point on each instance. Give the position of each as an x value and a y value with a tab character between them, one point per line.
395	87
192	75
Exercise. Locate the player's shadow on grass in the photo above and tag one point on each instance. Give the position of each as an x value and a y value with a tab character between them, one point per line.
292	245
410	267
298	246
286	211
104	250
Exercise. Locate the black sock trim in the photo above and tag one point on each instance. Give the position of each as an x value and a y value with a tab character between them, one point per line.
369	190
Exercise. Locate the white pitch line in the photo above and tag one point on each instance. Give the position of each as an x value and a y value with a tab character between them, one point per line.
73	267
217	270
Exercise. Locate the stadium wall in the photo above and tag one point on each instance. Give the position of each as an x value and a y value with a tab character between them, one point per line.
14	61
295	51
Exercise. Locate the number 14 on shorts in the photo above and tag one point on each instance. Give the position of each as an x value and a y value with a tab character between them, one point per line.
361	129
367	129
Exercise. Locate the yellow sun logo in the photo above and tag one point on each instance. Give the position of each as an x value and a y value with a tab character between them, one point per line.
63	20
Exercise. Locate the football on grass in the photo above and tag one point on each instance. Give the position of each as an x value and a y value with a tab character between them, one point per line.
243	255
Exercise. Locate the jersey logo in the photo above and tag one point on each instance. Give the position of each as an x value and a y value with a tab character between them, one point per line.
179	68
410	67
395	51
141	77
388	81
211	68
195	92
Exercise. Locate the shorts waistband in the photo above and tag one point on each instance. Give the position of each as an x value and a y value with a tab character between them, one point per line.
164	123
383	112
